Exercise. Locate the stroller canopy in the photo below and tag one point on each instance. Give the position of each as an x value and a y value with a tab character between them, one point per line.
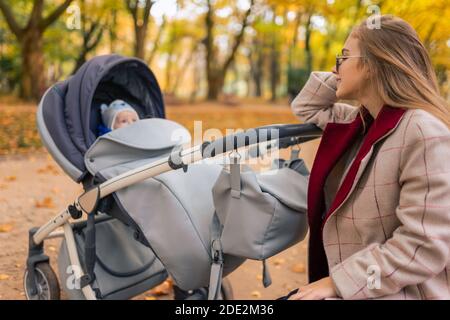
69	112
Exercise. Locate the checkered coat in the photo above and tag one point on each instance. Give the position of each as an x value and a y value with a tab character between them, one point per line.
386	235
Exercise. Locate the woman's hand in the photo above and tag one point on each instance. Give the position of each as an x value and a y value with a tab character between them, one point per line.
319	290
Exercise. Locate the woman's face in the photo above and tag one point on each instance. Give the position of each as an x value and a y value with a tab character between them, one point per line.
352	75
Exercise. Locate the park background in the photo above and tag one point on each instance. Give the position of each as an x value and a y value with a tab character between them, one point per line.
230	64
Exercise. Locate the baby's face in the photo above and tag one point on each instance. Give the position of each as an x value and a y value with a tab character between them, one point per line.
124	118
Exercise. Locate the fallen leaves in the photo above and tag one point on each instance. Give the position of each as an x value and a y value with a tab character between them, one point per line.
56	190
50	168
256	294
5	228
4	277
47	202
279	261
18	132
298	268
163	289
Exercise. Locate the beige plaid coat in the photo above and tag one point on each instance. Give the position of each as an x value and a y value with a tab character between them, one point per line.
389	237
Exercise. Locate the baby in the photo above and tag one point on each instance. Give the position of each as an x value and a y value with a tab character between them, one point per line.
117	115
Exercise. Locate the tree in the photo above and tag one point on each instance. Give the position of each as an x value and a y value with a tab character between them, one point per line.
30	38
91	32
216	72
140	12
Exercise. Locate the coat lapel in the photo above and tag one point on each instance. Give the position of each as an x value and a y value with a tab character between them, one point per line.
387	120
336	140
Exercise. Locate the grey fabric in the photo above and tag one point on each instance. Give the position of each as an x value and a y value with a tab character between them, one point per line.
144	139
55	136
174	209
269	216
124	267
287	186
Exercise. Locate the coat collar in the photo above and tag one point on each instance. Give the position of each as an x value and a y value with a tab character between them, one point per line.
336	139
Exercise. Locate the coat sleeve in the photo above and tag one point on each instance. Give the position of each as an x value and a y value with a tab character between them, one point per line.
316	102
419	247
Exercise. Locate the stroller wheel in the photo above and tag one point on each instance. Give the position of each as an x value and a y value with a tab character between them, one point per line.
46	283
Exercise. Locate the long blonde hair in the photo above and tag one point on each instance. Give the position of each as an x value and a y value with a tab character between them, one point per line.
400	66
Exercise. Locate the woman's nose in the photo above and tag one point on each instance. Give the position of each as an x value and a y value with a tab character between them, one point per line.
334	70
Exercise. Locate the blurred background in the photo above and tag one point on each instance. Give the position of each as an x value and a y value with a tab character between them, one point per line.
232	53
230	64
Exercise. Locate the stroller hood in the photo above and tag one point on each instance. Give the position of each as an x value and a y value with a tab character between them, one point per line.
147	140
69	112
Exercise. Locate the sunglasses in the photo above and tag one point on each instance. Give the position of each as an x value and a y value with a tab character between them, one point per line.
340	58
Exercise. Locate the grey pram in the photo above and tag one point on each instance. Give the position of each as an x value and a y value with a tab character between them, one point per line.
133	177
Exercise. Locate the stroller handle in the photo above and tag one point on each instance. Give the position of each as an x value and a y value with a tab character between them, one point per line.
287	134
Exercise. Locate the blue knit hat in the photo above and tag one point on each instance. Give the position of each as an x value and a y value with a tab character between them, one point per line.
110	112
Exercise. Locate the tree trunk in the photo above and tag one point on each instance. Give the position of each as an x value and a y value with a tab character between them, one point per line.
30	39
308	52
113	32
216	75
256	67
215	84
33	67
274	73
139	48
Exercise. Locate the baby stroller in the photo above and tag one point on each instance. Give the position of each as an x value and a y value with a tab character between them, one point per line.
131	179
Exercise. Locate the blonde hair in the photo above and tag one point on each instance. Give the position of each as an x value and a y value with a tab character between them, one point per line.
400	66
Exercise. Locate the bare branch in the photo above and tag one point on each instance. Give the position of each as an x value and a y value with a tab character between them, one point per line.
10	20
238	38
156	41
132	8
52	17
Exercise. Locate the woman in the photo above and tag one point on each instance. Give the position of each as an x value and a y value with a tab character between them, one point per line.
379	191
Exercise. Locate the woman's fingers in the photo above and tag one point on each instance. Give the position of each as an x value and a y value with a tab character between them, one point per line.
300	294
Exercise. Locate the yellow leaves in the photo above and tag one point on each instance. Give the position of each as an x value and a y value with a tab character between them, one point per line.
18	132
5	228
279	261
47	202
256	294
150	298
4	277
298	268
56	190
163	289
10	178
48	169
